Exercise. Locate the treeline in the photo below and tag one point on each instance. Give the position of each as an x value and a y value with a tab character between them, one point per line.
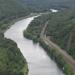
61	29
34	29
47	4
11	60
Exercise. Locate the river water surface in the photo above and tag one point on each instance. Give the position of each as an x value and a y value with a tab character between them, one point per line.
38	61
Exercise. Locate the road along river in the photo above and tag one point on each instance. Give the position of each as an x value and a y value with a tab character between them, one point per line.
38	61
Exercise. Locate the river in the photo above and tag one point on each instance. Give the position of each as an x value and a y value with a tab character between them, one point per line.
38	61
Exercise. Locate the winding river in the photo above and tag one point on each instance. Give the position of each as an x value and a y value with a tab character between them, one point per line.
38	61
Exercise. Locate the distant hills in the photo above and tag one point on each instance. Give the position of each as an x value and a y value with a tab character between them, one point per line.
17	8
47	4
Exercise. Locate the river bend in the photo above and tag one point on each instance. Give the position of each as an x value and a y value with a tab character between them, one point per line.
38	61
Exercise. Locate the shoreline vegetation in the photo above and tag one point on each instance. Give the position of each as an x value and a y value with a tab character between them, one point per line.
33	33
16	63
12	62
58	58
66	68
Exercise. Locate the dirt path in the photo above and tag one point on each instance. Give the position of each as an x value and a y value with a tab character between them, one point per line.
65	55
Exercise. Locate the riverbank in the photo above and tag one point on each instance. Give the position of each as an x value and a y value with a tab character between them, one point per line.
56	56
24	68
11	58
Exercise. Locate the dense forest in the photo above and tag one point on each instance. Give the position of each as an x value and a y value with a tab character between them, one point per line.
11	60
9	10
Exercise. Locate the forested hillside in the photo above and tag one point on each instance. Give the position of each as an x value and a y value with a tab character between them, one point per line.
11	60
9	10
